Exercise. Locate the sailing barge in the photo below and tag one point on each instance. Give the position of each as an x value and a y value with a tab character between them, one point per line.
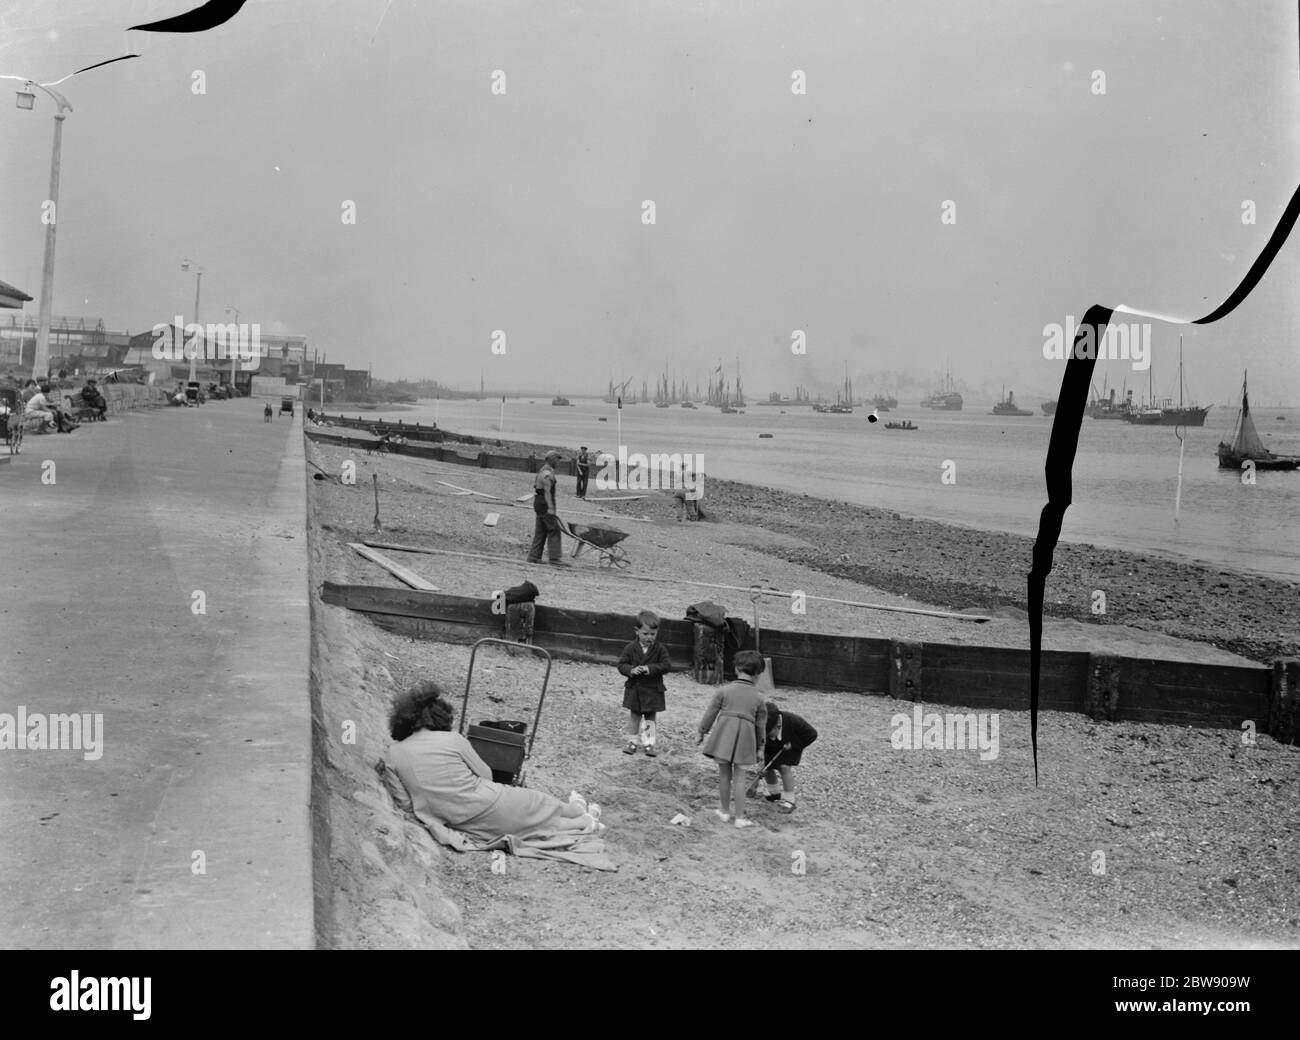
1246	445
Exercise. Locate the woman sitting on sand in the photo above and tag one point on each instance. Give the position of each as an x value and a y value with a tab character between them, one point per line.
448	781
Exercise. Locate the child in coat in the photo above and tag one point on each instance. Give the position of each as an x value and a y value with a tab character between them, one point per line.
644	661
736	722
787	736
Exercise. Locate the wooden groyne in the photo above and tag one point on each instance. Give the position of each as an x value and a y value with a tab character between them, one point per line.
1100	685
411	431
427	449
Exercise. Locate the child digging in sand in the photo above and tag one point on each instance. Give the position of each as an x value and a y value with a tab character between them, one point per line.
736	724
787	736
644	661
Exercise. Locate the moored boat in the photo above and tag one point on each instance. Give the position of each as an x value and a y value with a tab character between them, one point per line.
1008	406
1163	413
559	401
945	399
906	424
1246	445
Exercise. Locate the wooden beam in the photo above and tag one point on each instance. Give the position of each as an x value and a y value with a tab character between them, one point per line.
402	574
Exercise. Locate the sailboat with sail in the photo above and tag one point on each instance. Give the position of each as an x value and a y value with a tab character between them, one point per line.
1246	445
844	399
1164	413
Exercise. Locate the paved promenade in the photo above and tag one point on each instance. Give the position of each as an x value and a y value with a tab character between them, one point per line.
190	829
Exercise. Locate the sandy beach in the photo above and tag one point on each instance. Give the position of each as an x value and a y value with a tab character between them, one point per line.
900	849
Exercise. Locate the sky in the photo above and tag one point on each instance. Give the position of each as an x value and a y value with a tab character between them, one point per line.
241	148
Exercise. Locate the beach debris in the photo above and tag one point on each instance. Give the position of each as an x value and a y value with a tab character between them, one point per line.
491	519
680	820
524	498
761	436
465	490
402	574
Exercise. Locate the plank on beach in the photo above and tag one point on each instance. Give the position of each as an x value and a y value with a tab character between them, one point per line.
402	574
699	584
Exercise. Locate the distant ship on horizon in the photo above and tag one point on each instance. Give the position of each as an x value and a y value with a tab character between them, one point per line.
945	399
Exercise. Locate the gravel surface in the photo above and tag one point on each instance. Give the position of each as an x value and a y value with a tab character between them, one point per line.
899	848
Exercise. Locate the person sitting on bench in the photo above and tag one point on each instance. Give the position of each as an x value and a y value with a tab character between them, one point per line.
39	405
93	399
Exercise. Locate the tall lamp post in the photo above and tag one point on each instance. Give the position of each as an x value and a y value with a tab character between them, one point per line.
234	355
27	100
194	352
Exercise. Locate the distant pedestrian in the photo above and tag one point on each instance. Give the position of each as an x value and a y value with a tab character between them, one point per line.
268	413
584	465
787	736
546	529
644	662
736	725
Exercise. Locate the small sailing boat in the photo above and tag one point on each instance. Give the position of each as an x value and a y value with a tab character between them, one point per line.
1246	445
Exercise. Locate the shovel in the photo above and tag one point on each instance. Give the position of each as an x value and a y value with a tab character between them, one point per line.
753	784
763	682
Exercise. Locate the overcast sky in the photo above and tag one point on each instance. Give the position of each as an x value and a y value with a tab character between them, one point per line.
774	211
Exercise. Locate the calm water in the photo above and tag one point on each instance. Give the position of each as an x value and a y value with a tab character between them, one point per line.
1125	477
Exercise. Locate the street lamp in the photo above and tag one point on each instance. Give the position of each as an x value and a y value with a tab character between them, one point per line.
194	353
27	100
234	356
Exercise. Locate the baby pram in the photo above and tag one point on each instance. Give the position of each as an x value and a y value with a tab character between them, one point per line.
504	746
603	539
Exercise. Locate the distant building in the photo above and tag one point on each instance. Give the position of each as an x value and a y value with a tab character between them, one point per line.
356	380
71	339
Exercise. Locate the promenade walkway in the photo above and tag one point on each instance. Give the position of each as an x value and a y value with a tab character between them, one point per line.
191	829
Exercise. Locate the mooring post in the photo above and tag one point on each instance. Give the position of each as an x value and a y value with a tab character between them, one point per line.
519	622
706	661
482	460
1284	704
905	673
1101	698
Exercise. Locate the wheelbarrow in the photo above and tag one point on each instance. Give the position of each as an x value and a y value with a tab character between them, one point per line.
603	540
504	746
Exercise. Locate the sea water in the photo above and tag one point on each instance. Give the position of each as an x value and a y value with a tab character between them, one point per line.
1125	476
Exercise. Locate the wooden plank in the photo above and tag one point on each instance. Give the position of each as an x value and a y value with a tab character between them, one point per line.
507	462
1180	693
402	574
433	606
1189	676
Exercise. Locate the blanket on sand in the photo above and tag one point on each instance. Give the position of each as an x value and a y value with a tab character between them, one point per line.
583	849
